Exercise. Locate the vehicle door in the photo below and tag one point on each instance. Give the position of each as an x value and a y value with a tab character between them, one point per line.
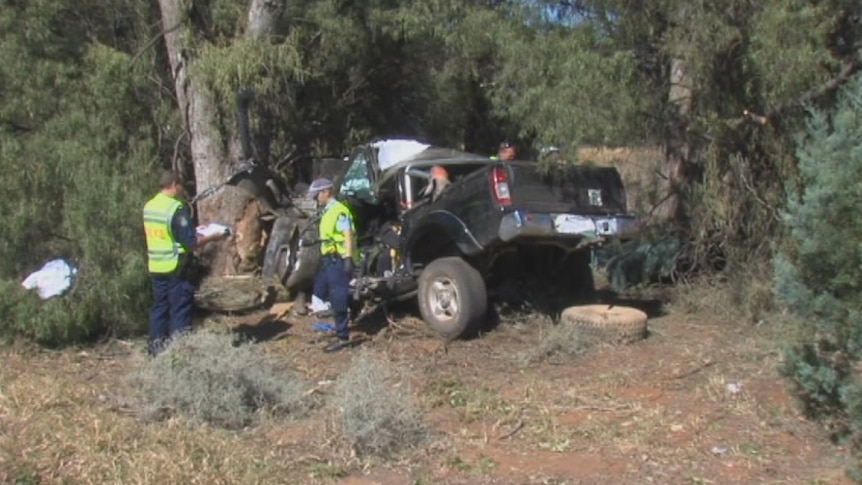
356	188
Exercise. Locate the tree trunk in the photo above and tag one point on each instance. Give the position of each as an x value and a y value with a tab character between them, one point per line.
214	142
678	144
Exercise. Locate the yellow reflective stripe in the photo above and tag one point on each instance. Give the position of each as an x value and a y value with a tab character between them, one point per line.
161	257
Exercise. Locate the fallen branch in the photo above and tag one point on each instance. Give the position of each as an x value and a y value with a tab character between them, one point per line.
693	371
604	409
518	426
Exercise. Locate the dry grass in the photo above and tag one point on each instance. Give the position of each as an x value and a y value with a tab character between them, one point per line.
648	412
58	426
376	410
206	378
556	340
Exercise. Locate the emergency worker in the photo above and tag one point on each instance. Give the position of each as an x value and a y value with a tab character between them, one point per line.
507	151
338	259
171	238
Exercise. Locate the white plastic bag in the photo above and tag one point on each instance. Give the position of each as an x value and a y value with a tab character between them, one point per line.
53	279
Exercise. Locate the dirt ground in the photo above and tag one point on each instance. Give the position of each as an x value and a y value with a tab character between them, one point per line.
697	402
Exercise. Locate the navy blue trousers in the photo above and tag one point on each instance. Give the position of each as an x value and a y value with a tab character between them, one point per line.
171	313
333	284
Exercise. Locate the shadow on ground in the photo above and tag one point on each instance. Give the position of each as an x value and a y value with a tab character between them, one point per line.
267	328
500	310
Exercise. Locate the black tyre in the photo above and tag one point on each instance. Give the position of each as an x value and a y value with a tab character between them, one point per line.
305	260
278	251
452	297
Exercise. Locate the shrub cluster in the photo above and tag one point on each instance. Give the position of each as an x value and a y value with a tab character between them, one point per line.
376	410
819	273
207	378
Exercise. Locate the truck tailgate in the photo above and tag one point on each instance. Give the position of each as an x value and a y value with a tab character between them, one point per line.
578	189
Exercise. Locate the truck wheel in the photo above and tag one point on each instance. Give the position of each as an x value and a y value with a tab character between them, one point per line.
452	297
606	324
304	263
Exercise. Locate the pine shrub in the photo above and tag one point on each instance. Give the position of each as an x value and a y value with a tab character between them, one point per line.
819	274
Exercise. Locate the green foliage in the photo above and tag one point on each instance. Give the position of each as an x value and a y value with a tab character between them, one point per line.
572	86
83	128
376	410
206	378
819	274
77	170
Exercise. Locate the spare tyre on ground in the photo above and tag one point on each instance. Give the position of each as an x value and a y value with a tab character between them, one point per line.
606	323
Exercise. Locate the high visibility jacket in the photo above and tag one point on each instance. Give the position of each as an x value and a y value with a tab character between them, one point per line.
494	157
333	240
163	251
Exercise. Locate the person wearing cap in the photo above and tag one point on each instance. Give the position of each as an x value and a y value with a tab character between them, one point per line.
338	253
171	237
507	151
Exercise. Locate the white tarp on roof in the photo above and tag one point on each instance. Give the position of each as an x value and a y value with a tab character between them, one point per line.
51	280
391	152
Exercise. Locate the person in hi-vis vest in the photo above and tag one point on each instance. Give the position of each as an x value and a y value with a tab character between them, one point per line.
338	259
171	237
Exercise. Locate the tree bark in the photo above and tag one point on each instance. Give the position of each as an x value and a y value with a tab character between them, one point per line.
678	143
214	142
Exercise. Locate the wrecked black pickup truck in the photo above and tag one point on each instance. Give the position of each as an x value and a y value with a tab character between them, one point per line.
492	220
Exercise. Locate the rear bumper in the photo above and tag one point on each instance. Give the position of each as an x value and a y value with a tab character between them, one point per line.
530	225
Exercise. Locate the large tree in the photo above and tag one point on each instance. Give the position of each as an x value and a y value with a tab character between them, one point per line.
215	147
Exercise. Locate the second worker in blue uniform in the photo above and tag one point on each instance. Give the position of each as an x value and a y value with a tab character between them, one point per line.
338	254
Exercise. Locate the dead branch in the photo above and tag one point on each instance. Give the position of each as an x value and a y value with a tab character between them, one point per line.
847	71
175	160
604	409
150	43
518	426
693	371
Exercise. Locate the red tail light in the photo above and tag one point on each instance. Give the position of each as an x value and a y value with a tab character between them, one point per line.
500	185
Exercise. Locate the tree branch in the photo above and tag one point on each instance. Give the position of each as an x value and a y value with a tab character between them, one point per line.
847	71
150	43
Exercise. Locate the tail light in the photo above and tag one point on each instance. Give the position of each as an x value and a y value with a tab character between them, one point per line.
500	185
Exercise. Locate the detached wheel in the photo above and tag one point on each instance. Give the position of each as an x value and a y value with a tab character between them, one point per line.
606	324
452	297
304	261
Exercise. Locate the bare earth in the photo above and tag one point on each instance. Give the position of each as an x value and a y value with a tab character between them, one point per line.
698	401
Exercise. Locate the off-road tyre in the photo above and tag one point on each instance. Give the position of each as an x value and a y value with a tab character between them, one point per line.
309	261
606	323
455	274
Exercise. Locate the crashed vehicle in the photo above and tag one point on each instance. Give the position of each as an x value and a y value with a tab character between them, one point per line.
493	220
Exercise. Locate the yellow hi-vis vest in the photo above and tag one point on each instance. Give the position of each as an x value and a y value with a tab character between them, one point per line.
163	251
333	240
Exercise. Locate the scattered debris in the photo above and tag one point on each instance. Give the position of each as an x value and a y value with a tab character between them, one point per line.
53	279
734	388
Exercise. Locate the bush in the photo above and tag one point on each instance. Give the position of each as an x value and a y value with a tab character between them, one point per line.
560	339
206	378
377	412
819	275
74	188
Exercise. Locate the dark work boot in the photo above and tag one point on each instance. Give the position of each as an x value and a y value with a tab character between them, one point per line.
337	345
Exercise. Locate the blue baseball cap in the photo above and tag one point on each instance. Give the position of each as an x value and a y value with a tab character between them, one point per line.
318	185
